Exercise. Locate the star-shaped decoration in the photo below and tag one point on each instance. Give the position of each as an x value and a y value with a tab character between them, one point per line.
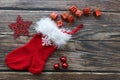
20	27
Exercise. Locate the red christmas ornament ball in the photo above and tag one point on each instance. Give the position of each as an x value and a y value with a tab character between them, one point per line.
64	65
56	66
63	59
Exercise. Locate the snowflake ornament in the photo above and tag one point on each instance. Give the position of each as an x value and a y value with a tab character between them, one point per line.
46	41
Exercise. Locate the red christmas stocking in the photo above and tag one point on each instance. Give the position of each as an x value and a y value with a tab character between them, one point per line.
39	59
20	58
53	38
35	53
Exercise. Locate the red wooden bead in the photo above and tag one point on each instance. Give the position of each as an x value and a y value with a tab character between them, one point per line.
97	12
64	65
54	15
70	18
59	23
56	66
86	11
73	8
64	15
78	13
63	59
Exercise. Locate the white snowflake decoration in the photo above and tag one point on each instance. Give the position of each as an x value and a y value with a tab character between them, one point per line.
46	41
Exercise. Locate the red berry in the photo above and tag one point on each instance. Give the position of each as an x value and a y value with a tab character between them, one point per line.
56	66
64	65
63	59
54	15
86	11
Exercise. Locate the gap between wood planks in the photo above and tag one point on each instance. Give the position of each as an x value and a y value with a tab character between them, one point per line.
80	71
42	9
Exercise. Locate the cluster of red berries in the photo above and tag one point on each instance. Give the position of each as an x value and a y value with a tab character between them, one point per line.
76	12
64	64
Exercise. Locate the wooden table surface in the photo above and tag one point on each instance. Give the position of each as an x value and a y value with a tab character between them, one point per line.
93	53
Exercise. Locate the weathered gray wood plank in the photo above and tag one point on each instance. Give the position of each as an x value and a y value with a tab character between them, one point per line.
106	5
87	33
107	27
110	46
89	58
109	18
59	76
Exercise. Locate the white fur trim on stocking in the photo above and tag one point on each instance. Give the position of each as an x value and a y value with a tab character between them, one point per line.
49	28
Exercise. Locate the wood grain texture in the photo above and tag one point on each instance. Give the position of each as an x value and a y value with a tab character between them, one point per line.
93	53
95	47
59	76
105	5
107	27
80	60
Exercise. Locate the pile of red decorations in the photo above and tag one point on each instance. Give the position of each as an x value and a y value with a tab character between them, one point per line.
74	11
64	64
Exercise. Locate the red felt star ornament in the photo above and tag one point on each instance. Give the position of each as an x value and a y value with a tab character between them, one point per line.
20	27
